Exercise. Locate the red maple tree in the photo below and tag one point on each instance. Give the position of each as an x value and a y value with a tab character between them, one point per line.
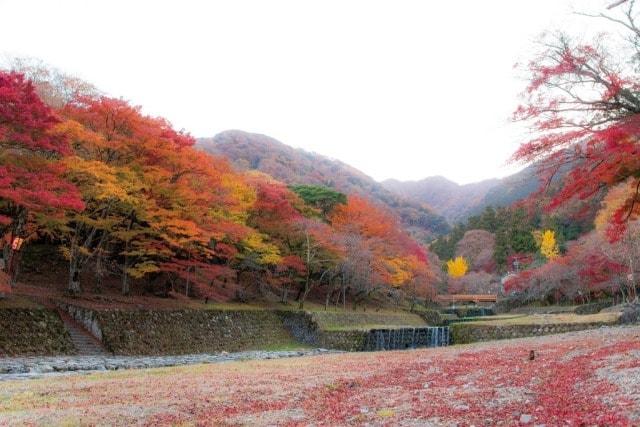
583	105
32	183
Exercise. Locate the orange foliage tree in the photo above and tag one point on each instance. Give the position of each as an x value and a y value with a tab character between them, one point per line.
33	189
127	195
378	252
156	202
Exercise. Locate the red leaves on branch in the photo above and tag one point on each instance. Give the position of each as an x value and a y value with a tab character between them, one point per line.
25	121
583	106
31	175
154	205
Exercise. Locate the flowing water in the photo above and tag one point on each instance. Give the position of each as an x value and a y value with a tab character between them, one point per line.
403	338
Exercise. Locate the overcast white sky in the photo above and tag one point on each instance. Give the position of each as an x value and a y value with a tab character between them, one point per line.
397	88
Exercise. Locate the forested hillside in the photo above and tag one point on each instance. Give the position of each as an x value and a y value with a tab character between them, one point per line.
458	202
125	198
248	151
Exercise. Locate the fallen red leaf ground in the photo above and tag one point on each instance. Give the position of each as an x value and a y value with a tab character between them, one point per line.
583	378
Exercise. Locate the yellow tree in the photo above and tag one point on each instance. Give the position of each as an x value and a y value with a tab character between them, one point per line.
457	267
548	245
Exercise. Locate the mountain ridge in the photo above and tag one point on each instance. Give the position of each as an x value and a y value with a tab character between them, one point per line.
457	202
252	151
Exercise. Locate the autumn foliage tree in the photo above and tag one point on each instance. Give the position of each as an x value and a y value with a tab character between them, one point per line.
477	247
583	105
33	188
548	245
457	267
125	195
154	202
382	254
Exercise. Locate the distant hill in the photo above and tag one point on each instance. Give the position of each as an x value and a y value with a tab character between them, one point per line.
295	166
458	202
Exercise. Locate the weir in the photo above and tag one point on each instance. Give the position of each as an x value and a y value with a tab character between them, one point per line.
404	338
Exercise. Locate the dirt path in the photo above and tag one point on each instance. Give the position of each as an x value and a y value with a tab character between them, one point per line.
581	378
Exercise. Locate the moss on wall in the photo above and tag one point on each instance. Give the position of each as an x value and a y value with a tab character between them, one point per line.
343	331
594	307
464	333
33	332
431	317
190	331
205	331
328	320
347	340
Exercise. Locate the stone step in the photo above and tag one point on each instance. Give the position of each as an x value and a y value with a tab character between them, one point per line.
83	341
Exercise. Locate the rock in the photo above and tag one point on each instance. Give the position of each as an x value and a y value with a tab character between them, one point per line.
45	368
32	367
630	314
525	418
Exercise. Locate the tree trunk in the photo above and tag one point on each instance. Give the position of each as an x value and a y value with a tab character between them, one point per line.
344	298
13	256
338	297
77	260
99	274
74	280
306	281
327	299
126	289
74	271
304	294
17	256
186	289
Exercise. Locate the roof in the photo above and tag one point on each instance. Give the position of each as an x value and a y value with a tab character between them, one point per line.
467	298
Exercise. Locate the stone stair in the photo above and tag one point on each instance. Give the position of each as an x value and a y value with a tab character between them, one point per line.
84	343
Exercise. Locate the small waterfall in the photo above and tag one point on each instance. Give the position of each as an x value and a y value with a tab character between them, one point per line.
403	338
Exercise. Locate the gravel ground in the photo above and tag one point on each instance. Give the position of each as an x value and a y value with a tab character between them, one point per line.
586	378
37	367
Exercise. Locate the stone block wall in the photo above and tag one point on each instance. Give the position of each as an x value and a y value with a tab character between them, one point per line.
33	332
594	307
156	332
302	326
305	328
140	332
470	311
431	317
348	340
464	333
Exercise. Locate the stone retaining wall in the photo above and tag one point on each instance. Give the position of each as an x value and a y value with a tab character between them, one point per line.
305	328
431	317
464	333
348	340
149	332
594	307
33	331
155	332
